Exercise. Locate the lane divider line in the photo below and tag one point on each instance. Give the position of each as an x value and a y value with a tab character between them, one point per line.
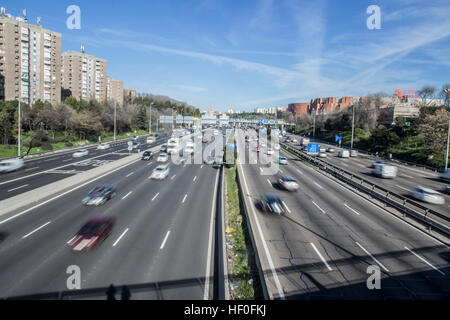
35	230
425	261
118	239
164	241
321	257
155	196
352	209
127	195
319	207
367	252
25	185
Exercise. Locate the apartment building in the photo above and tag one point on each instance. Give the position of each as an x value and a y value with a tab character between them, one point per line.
84	75
114	90
30	61
129	93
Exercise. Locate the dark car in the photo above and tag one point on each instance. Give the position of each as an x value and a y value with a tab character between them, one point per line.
446	189
93	232
272	203
147	155
136	145
99	195
163	148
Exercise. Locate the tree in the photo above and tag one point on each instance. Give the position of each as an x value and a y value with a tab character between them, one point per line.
427	92
445	96
434	127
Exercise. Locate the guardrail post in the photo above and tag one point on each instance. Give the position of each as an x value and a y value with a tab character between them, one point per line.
385	202
404	208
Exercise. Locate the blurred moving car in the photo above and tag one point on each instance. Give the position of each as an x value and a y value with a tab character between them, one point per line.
427	195
445	176
103	146
99	195
288	183
282	160
10	165
322	154
80	153
331	150
163	148
384	170
378	162
269	151
344	154
272	203
322	150
93	232
151	139
136	145
276	147
209	160
446	189
160	172
353	153
163	157
147	155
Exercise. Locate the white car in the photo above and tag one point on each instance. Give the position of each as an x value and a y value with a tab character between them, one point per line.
427	195
163	157
269	151
353	153
103	146
11	165
344	154
294	140
150	139
160	172
80	153
276	147
189	150
282	160
322	155
384	170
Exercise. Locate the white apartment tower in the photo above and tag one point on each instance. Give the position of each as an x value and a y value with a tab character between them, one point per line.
30	58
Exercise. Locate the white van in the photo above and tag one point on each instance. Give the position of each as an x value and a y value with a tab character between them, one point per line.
344	154
445	176
9	165
383	170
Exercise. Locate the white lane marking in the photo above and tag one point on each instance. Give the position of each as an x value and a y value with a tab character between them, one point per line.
184	199
67	160
195	178
184	166
266	249
318	185
406	176
129	174
425	261
201	166
321	257
25	185
359	164
285	205
261	169
164	241
155	196
401	187
173	177
35	230
318	207
269	182
118	239
50	159
63	194
352	209
281	171
299	171
127	194
149	163
208	258
344	164
31	168
367	252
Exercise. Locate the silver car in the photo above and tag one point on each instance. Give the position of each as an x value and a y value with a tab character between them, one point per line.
427	195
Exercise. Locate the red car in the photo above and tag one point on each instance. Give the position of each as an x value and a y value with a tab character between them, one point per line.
93	232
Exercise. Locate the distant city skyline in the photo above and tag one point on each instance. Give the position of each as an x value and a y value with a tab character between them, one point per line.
257	53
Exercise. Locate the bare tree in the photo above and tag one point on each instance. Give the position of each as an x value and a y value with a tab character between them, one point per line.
427	92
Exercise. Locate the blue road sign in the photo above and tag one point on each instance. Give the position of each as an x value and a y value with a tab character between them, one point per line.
260	121
266	121
313	148
336	138
270	121
231	145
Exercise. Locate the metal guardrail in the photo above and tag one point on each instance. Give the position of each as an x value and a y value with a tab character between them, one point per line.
401	203
413	164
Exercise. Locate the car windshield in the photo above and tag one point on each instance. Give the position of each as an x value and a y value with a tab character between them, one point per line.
91	229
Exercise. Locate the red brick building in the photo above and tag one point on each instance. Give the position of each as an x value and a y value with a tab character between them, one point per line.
298	109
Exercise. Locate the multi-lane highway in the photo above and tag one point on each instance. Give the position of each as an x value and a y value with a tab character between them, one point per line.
47	169
162	242
407	178
328	237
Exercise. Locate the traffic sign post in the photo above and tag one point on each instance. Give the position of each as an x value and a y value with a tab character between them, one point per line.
313	148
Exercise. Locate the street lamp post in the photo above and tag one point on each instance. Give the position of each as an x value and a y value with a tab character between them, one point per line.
447	91
18	131
353	126
115	119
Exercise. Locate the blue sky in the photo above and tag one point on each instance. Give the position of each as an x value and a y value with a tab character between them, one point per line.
220	54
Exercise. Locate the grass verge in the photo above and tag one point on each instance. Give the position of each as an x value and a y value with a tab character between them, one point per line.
243	274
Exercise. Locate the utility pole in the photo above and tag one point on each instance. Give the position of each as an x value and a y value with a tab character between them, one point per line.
150	119
115	119
353	126
447	91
